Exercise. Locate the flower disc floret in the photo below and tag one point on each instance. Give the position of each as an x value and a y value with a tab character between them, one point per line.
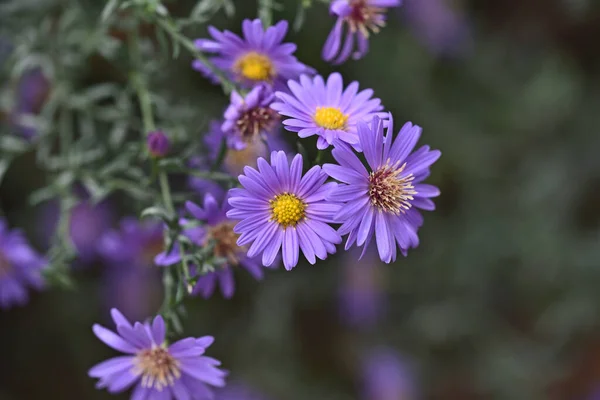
287	209
389	190
255	67
157	367
331	118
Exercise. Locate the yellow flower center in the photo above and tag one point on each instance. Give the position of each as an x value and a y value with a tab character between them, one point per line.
331	118
255	67
157	367
287	209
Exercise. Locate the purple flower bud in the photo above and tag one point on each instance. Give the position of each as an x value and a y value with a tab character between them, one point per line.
158	144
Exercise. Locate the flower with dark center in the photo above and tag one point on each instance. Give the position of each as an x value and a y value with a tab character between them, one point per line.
382	201
259	56
327	109
250	119
20	267
176	371
225	242
360	17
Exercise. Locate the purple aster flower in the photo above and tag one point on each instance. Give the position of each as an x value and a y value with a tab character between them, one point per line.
20	267
280	208
32	91
382	201
133	286
441	27
362	301
158	370
158	144
326	109
218	233
249	119
360	17
386	376
258	57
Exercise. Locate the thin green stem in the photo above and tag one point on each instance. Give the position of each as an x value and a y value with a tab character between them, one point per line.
166	192
227	85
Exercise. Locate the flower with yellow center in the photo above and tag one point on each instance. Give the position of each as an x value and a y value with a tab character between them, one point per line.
331	118
255	66
287	209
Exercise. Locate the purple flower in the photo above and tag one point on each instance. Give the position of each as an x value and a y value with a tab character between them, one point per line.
20	267
386	376
132	284
32	92
360	17
249	119
258	57
218	233
442	28
159	371
280	208
235	160
382	201
326	109
158	144
362	301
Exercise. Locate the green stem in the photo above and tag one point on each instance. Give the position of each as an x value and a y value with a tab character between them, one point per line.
265	12
227	85
165	190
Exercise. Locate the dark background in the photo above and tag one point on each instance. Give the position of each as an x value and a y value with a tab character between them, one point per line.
501	299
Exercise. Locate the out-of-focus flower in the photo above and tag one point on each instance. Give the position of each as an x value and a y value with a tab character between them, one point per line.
235	160
32	91
133	285
360	18
442	28
88	222
382	201
20	268
326	109
158	144
386	376
249	119
362	301
158	370
258	57
219	235
279	208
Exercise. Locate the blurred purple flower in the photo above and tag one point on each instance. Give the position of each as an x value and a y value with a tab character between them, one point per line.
279	208
360	18
258	57
133	286
441	27
20	267
250	119
88	223
158	370
362	301
326	109
158	144
32	91
386	376
383	200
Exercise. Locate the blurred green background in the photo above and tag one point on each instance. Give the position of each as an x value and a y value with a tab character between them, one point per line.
501	299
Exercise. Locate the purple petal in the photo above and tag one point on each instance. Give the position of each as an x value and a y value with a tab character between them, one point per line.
113	340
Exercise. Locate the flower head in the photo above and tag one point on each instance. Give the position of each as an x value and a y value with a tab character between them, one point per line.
132	284
158	144
281	209
258	57
386	376
327	110
382	200
158	370
218	234
249	119
20	268
359	17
